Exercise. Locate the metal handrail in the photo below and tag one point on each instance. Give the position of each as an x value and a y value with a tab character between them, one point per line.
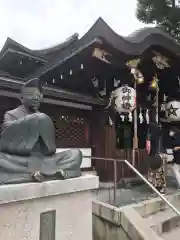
140	175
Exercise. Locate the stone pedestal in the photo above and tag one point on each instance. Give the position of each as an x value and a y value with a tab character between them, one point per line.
51	210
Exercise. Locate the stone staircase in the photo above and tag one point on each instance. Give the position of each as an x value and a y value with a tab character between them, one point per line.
147	220
165	222
159	217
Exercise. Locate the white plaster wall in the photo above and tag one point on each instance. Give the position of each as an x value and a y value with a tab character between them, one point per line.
20	219
86	162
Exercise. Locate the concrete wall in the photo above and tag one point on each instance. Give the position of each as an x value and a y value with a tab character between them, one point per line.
106	222
106	230
22	207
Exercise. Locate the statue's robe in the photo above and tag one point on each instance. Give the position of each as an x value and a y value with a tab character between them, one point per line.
28	145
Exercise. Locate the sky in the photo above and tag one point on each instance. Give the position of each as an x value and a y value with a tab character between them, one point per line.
38	24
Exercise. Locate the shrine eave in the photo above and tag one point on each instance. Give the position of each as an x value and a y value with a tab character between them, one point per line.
61	46
28	55
69	56
131	46
11	45
9	84
134	44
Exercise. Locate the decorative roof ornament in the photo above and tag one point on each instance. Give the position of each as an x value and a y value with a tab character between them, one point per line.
102	55
133	65
160	60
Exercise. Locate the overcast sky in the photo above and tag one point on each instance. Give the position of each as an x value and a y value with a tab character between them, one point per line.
41	23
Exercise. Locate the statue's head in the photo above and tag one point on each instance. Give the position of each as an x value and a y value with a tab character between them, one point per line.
31	94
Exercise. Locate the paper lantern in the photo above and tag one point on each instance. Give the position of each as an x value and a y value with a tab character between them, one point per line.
124	99
172	111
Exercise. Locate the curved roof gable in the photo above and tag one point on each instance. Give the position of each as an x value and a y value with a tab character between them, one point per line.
135	43
60	46
15	46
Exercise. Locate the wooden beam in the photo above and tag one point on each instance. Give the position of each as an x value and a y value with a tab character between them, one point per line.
9	83
48	101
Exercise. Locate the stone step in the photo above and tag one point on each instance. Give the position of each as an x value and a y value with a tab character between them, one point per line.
172	235
163	221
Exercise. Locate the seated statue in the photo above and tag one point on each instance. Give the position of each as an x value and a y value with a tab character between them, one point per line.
27	144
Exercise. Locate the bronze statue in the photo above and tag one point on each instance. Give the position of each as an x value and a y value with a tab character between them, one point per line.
27	144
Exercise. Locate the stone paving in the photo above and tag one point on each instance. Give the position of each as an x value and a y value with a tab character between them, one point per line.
132	194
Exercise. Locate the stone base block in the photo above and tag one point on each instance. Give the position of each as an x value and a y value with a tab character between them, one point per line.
47	211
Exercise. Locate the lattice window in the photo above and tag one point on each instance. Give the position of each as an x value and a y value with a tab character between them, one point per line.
71	131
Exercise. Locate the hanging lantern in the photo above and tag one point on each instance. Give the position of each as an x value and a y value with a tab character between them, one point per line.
123	99
172	111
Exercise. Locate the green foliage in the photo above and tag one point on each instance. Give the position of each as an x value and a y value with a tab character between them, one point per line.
164	13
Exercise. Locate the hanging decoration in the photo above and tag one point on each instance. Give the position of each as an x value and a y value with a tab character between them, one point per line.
160	60
101	55
21	61
149	97
140	116
95	82
178	80
172	111
110	121
102	93
130	117
116	83
147	116
163	105
122	118
154	83
123	99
